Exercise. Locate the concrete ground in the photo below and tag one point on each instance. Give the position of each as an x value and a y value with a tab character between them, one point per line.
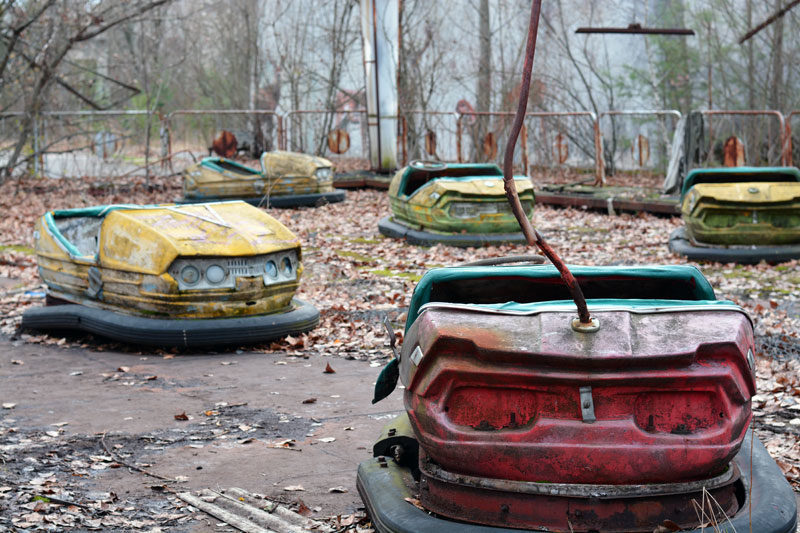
221	445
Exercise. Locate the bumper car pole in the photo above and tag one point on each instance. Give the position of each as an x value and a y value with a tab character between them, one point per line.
584	322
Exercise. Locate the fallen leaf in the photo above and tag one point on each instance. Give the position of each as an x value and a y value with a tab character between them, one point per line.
303	509
293	488
9	405
328	369
183	416
338	490
123	369
415	503
17	362
327	439
310	400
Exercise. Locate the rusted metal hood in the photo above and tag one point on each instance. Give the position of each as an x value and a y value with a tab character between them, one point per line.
633	336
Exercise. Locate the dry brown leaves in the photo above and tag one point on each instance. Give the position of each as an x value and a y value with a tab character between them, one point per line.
354	275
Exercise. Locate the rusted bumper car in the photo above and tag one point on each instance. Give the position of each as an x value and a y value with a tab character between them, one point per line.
516	419
741	214
286	179
454	204
169	275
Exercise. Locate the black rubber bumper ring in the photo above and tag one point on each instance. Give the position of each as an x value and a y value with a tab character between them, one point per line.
293	200
385	490
680	243
174	332
395	230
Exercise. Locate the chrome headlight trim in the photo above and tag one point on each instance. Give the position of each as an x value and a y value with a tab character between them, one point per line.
324	174
221	272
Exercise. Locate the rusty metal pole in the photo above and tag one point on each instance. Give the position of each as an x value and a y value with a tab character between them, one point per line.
524	151
584	321
599	163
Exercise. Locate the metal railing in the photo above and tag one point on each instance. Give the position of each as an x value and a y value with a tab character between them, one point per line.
118	142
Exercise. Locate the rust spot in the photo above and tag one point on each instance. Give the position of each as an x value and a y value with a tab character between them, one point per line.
430	143
641	150
561	149
225	145
733	152
338	141
490	146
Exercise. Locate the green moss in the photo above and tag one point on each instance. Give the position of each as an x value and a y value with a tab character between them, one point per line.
585	229
18	248
386	273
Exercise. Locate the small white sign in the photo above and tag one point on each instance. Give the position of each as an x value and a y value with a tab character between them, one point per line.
416	355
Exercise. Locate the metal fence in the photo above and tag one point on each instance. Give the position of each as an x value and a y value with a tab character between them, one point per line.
119	143
749	137
637	140
793	137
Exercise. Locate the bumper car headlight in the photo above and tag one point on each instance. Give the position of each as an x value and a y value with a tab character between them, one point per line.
271	269
281	267
476	209
463	210
691	201
215	274
190	275
323	174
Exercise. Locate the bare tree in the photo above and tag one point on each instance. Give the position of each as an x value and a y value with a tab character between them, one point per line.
53	31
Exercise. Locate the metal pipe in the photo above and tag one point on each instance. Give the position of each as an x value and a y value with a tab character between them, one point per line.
534	237
637	29
789	146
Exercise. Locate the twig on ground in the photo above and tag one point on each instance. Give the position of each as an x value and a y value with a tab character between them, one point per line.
131	466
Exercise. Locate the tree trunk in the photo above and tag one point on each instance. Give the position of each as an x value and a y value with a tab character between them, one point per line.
484	90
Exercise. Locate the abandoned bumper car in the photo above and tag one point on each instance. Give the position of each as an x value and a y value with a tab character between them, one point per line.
740	214
517	419
166	275
286	179
454	204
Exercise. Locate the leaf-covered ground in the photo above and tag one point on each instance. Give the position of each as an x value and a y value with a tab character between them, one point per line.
354	275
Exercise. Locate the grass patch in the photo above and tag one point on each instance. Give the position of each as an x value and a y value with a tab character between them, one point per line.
18	248
363	240
386	273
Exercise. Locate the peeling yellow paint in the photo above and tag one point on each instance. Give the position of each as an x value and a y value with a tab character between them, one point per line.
137	246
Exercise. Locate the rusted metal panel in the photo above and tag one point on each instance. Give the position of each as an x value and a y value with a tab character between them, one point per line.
560	149
499	396
667	207
338	141
733	152
558	507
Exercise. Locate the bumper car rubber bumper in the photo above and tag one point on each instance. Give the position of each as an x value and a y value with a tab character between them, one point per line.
681	243
385	489
420	237
292	200
163	332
